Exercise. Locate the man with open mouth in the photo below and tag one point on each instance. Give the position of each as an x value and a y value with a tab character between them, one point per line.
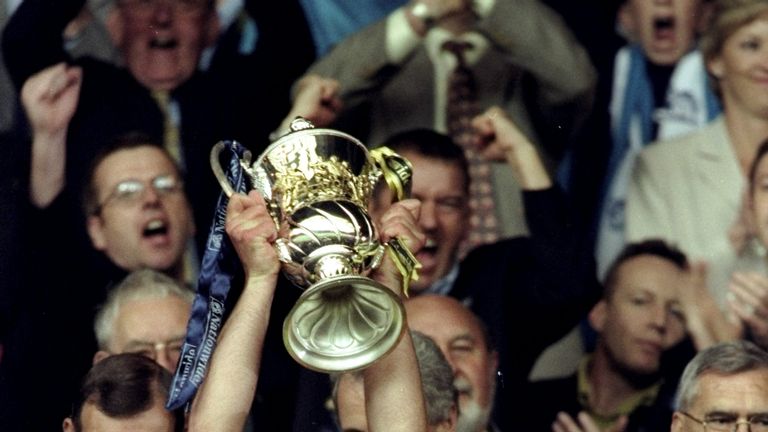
658	90
528	291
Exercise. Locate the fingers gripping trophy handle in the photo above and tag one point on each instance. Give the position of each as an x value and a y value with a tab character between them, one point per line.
398	173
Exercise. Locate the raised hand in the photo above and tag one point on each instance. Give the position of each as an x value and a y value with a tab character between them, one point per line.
253	233
422	14
499	139
50	98
317	100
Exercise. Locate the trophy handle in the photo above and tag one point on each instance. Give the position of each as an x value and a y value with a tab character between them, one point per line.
219	172
396	170
398	173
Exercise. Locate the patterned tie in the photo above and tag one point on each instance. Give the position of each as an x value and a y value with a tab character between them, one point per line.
462	106
171	137
172	143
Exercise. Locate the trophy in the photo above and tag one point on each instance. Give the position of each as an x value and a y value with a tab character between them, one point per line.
317	184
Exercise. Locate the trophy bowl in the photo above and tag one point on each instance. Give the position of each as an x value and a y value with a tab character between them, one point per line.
317	184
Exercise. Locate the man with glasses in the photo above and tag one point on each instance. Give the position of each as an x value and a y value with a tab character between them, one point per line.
136	209
723	388
158	92
145	314
137	217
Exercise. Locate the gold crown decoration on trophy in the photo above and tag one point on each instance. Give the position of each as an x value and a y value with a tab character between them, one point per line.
317	184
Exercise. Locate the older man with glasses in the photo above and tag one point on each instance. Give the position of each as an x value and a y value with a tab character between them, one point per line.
145	314
723	388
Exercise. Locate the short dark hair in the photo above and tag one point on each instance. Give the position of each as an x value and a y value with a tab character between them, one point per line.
124	385
128	141
654	247
432	144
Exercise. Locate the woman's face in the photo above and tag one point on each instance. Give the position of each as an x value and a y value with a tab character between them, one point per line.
742	69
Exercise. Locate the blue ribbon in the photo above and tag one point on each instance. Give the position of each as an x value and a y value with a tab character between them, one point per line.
220	264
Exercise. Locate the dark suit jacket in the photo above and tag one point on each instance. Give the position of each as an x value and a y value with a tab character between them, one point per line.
544	399
213	106
529	291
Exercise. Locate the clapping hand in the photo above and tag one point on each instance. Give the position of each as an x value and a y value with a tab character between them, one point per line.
748	301
584	423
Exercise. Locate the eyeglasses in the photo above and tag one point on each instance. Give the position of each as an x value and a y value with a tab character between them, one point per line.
182	7
132	191
170	348
730	423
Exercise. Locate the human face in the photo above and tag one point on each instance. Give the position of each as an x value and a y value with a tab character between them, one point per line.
441	188
350	397
161	40
740	396
642	318
459	335
155	419
760	199
741	69
153	327
665	28
150	232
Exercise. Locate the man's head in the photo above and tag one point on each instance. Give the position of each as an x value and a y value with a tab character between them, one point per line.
125	392
463	339
441	183
161	40
666	29
146	314
136	210
723	385
436	383
639	316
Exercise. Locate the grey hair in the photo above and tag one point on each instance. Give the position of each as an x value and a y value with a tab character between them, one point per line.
728	358
436	380
140	284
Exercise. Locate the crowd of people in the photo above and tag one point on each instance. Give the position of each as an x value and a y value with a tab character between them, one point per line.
587	169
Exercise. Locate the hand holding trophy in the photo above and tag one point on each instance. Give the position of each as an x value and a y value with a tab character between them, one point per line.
317	184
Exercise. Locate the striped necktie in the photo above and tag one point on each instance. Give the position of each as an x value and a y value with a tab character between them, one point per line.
462	107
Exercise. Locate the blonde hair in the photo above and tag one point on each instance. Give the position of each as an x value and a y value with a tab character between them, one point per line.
727	16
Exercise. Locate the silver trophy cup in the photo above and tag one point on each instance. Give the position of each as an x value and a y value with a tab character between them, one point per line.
317	184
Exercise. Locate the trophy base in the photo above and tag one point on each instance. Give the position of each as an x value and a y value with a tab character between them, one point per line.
343	323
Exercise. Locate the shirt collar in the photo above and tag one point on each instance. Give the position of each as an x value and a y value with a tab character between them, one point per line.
443	285
435	39
643	397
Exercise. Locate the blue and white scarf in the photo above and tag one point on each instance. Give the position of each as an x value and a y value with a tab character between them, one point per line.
690	104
